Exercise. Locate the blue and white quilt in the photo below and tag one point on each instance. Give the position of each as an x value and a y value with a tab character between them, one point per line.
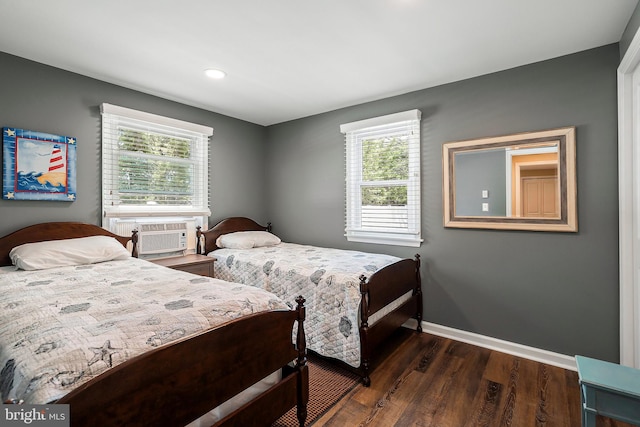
61	327
329	280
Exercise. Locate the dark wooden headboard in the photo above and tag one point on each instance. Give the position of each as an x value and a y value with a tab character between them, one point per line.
56	231
228	225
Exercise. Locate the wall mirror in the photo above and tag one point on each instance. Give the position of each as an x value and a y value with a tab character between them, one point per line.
525	181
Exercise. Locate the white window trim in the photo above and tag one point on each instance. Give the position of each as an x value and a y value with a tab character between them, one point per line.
120	211
154	118
353	232
381	120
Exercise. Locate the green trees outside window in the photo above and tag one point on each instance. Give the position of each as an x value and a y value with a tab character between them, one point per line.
385	170
154	169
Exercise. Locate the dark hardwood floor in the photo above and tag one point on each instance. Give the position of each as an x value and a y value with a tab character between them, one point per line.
434	381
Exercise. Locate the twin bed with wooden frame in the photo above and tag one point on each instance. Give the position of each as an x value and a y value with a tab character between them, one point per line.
174	381
378	293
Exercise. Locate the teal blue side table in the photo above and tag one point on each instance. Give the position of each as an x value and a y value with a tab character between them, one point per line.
609	390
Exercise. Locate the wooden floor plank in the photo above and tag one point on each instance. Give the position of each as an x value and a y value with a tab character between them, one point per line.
572	390
498	367
527	398
551	382
399	402
457	410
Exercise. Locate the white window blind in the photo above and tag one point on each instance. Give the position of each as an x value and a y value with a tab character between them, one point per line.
153	165
383	179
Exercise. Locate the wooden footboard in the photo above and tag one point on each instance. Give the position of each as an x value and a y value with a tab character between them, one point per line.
381	289
177	383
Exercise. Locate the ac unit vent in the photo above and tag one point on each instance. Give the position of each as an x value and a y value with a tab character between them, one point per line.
161	237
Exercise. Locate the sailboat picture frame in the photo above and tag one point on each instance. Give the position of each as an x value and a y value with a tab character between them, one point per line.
38	166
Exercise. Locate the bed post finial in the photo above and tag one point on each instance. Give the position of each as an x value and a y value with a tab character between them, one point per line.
364	305
418	294
198	238
301	364
301	339
269	227
364	329
134	241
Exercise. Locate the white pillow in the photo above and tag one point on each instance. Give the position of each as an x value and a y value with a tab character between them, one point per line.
247	240
60	253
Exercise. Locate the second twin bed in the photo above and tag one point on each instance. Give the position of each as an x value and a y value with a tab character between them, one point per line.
354	300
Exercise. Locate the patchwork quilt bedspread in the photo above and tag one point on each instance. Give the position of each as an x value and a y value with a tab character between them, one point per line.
61	327
328	279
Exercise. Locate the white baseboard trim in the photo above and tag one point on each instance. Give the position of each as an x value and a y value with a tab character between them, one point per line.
519	350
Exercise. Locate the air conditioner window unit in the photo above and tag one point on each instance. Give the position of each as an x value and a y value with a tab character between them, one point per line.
161	237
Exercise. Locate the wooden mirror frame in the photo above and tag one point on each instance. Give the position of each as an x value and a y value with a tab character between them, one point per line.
567	220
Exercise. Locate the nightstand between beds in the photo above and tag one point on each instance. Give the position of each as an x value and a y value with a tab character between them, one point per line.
194	263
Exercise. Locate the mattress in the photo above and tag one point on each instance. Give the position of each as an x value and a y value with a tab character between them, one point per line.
329	280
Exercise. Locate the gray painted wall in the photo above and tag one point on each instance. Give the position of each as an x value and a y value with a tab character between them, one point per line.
46	99
553	291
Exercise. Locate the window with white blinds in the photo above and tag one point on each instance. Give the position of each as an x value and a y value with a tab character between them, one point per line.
383	179
153	165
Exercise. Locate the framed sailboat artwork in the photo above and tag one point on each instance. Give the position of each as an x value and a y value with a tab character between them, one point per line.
38	166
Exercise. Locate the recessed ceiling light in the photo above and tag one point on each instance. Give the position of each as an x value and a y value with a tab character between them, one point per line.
215	74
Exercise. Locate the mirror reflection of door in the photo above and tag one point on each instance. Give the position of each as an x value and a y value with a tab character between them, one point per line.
538	193
535	186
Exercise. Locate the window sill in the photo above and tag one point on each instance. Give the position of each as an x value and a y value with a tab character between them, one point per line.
413	241
137	211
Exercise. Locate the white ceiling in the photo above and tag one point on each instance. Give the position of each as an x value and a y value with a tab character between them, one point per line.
287	59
